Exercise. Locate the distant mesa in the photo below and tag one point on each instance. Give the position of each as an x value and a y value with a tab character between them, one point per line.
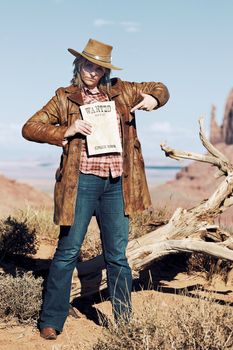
223	133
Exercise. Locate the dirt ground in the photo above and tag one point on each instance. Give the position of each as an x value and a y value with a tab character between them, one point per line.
19	195
82	333
171	285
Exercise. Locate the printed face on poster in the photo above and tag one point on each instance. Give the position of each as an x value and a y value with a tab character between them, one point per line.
105	136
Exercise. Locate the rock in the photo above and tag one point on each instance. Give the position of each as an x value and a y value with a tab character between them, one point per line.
227	126
223	133
215	130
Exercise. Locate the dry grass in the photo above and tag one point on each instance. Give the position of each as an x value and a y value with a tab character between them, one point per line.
21	295
20	298
91	246
148	221
210	266
39	220
193	324
19	233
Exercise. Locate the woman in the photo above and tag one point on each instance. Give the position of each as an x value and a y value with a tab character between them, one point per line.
111	185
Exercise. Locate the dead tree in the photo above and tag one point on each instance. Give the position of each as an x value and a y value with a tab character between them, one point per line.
191	230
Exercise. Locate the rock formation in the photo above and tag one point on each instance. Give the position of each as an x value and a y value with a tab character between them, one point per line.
215	130
227	126
223	133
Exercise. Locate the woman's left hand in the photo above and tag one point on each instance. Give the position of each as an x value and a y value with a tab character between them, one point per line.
147	104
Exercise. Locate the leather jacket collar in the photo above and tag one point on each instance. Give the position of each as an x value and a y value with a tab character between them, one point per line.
76	96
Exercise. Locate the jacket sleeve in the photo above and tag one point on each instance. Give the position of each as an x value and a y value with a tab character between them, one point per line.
156	89
44	126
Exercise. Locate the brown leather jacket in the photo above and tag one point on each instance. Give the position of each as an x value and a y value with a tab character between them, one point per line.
51	122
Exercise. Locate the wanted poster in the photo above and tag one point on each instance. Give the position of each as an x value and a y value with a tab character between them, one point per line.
105	136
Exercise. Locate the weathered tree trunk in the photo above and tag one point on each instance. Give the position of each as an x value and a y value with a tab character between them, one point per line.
190	230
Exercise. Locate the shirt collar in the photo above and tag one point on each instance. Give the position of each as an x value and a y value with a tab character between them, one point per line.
94	91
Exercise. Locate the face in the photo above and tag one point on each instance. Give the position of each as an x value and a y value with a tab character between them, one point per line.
91	74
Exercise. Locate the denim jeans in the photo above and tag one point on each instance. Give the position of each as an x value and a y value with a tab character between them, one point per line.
104	197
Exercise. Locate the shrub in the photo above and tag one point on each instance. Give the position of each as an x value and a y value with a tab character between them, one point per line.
209	265
21	297
194	324
91	246
39	220
148	221
19	233
17	237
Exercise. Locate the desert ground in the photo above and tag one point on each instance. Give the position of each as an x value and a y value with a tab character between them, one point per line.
166	285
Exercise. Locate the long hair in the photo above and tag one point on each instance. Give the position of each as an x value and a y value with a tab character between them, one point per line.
78	63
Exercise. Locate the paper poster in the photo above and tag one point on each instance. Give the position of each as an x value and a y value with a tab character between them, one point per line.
105	136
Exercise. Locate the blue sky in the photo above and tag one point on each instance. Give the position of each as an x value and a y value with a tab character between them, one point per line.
186	44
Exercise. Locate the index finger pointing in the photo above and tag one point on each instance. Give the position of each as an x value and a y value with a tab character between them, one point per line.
136	107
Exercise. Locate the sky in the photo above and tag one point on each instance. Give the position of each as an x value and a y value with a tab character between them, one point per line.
186	44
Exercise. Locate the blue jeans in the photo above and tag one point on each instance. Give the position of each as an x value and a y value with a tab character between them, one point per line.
103	196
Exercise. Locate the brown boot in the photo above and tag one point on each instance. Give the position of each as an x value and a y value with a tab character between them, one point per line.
48	333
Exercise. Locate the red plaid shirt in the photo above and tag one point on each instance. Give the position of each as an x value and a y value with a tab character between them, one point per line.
105	164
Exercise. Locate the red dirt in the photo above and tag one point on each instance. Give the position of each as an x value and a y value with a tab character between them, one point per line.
15	195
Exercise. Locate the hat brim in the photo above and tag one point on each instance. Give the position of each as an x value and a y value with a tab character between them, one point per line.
93	60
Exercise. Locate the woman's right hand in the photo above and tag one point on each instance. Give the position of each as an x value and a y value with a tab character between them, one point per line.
79	126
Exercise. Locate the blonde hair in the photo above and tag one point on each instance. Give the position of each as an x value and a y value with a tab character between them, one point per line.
79	63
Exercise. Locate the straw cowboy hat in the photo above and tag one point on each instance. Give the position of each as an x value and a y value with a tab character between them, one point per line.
98	53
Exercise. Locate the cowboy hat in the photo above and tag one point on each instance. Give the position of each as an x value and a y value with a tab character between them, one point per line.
96	52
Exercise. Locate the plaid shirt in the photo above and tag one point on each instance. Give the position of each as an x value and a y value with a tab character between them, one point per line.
105	164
